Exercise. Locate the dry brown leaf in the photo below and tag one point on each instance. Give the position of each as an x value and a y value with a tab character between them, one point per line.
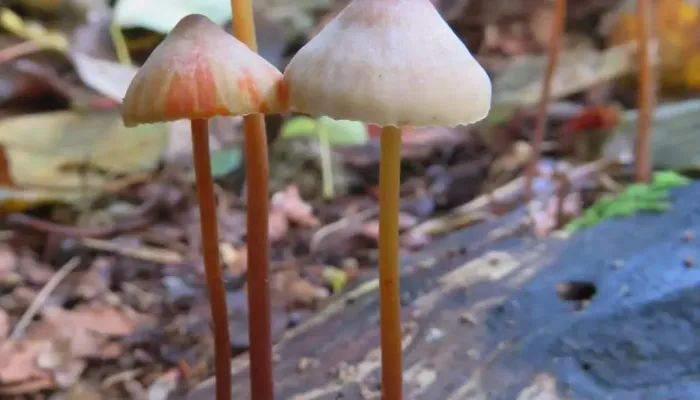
18	361
4	325
294	207
105	320
297	290
545	219
278	225
406	221
8	259
677	24
25	387
236	260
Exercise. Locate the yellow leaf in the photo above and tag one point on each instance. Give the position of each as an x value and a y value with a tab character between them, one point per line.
65	156
677	25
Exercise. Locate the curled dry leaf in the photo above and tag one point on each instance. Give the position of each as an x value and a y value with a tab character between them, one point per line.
547	218
294	207
406	221
4	325
297	290
236	260
278	225
18	361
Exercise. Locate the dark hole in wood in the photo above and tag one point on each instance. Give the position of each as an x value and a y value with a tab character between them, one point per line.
576	290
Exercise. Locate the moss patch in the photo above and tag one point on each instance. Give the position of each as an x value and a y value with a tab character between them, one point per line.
651	197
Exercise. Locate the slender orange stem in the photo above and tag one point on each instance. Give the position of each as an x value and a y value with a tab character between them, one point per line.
538	135
259	320
212	265
389	306
642	170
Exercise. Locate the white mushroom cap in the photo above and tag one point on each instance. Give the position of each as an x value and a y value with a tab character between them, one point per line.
389	62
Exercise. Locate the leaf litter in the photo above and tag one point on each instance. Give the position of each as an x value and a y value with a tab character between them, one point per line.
101	284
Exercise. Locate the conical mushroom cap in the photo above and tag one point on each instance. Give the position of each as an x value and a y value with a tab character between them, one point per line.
389	62
200	71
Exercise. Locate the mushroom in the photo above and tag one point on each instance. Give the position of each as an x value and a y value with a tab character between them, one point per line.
259	322
198	72
396	64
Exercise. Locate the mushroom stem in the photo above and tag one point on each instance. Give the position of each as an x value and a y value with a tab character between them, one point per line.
538	135
212	265
259	319
389	306
642	168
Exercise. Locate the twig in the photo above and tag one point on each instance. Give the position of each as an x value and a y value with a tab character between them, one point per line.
340	224
19	50
41	297
139	219
119	42
505	193
645	99
552	58
154	255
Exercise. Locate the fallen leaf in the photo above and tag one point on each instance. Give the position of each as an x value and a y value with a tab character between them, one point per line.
225	161
104	320
4	325
106	77
236	260
336	277
297	290
278	225
8	259
406	221
68	156
339	132
18	361
294	208
161	388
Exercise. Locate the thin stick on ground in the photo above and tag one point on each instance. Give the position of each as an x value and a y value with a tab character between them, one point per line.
552	58
642	170
259	319
389	305
212	264
41	297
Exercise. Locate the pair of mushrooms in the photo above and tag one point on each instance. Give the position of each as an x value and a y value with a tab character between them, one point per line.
393	63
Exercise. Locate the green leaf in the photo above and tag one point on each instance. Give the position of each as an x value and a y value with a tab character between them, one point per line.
225	161
336	277
344	132
340	132
299	127
162	15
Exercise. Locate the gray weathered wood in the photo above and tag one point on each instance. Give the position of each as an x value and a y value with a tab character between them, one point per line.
490	325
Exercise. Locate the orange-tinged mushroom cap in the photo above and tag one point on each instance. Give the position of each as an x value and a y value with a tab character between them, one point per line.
389	62
200	71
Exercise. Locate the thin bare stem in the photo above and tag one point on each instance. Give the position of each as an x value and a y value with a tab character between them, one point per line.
389	305
538	135
210	250
642	170
259	319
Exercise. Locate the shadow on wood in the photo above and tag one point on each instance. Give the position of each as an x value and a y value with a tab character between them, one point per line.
609	313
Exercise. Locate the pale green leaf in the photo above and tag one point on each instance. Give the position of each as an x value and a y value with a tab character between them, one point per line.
299	127
225	161
162	15
339	132
343	132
